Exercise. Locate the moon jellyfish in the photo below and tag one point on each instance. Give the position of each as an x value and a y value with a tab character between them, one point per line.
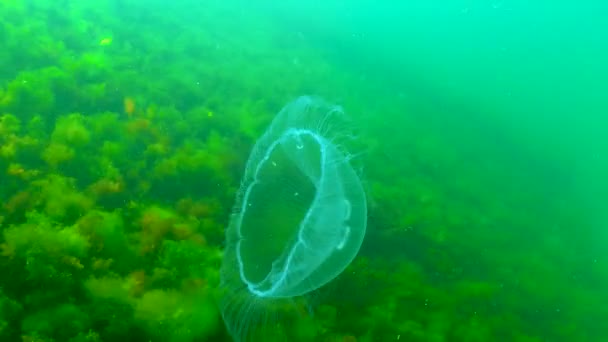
299	219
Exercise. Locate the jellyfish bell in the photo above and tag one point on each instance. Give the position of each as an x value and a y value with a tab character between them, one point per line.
299	219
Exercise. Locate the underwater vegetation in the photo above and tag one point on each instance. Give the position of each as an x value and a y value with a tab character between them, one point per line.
299	220
124	140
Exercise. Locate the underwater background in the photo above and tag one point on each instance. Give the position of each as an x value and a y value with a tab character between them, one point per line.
125	127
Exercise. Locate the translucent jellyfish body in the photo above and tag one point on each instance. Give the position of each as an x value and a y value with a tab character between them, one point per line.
299	219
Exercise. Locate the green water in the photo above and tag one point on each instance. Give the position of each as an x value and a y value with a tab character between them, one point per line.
125	126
